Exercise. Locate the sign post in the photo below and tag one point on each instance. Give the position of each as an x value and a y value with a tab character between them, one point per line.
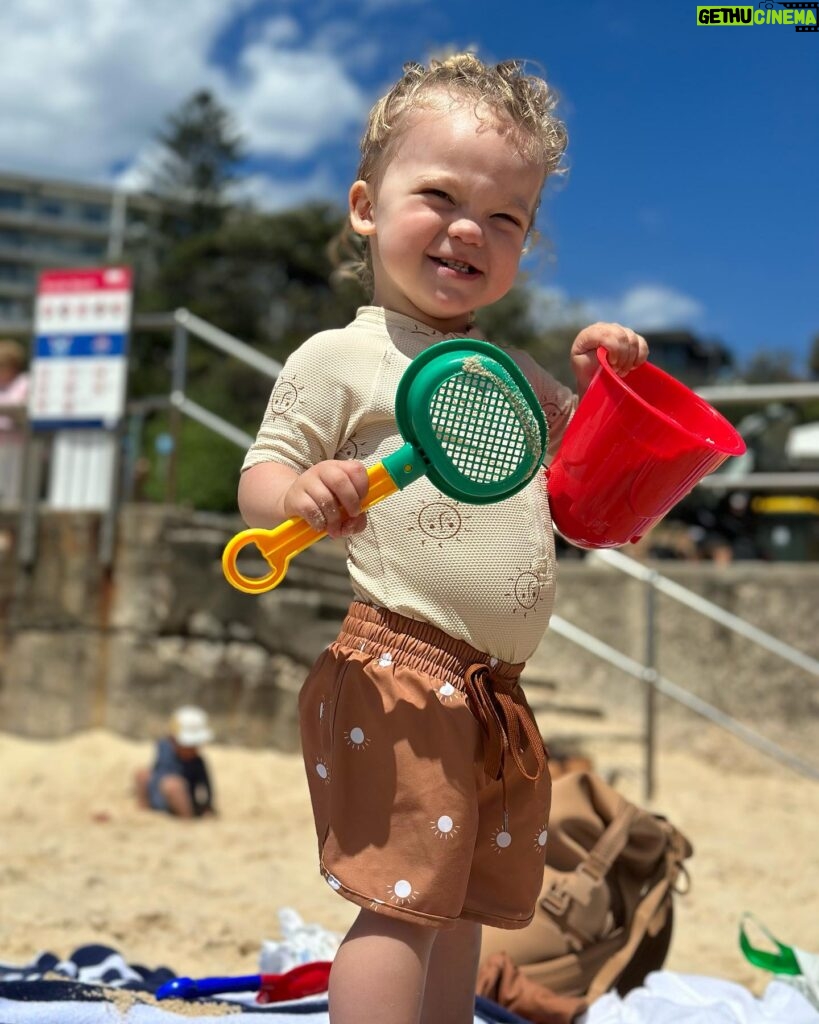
78	382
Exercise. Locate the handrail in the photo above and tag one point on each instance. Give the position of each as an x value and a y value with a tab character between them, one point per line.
707	608
227	343
667	688
210	420
795	481
725	394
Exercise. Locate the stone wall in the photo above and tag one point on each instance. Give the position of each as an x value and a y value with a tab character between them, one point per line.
82	648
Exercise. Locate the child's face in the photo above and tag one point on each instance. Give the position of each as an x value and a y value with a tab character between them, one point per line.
449	219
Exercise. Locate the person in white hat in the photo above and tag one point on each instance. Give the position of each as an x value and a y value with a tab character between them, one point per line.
179	783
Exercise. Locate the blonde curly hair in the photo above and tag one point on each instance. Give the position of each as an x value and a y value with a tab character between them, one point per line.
521	104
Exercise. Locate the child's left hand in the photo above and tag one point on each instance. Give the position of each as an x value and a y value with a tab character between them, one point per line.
626	350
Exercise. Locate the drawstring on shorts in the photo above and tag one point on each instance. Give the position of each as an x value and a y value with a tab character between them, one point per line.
497	705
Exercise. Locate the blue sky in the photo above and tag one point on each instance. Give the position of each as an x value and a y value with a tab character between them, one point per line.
691	198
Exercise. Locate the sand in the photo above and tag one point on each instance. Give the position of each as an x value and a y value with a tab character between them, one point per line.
80	863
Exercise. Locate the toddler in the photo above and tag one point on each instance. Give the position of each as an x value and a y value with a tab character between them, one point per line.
427	774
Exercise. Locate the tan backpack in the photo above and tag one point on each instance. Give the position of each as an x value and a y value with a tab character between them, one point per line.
605	913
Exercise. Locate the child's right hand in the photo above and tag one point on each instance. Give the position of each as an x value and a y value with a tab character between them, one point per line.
328	496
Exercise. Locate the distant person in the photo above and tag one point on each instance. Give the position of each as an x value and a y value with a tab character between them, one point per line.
13	397
179	782
13	379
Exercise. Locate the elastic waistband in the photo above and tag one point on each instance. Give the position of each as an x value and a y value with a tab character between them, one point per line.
419	645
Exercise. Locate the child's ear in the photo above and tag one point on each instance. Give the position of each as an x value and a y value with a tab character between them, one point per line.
362	210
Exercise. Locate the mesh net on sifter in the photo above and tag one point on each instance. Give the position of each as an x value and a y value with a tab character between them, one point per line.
484	426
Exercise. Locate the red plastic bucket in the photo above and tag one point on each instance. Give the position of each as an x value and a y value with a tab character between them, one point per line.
634	448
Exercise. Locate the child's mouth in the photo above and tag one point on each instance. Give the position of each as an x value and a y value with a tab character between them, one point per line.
457	265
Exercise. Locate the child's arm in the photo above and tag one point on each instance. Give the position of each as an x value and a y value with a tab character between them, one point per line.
626	351
327	496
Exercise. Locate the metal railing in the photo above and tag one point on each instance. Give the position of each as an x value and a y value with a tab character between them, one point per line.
655	683
186	323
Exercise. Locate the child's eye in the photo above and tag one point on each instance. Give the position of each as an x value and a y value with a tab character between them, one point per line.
516	221
437	192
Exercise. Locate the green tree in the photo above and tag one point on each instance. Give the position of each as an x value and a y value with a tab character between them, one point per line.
769	367
202	151
813	358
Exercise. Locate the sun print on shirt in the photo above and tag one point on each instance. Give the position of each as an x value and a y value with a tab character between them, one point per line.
526	589
285	396
440	521
354	448
552	413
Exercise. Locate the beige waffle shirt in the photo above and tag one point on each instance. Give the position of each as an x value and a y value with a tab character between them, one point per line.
482	573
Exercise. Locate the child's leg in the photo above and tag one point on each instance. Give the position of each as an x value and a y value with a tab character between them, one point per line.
449	997
379	971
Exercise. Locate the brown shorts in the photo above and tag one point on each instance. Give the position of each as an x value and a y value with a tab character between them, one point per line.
427	775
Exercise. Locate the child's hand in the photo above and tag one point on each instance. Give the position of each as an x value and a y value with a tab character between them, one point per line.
626	351
328	496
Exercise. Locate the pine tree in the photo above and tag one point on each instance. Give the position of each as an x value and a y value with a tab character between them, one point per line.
202	152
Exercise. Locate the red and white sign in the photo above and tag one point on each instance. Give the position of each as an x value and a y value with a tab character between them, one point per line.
82	321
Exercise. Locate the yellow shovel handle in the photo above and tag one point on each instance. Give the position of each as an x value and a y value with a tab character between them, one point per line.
279	545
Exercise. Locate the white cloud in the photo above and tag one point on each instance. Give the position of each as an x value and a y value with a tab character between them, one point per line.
270	194
289	101
87	85
649	307
552	307
645	307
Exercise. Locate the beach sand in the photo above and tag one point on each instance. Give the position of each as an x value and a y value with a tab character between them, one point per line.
79	863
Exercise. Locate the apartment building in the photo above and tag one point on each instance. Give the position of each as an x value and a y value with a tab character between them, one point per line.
48	224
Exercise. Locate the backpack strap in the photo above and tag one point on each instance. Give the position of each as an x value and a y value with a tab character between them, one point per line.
591	870
649	906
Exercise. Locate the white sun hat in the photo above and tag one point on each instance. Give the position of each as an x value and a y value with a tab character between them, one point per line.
190	726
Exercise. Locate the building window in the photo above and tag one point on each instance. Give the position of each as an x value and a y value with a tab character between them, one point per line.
12	309
93	213
11	200
50	207
16	272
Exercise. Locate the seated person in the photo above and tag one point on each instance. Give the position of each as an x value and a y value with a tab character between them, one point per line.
179	783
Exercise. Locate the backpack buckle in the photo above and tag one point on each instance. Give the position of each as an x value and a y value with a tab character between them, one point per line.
556	899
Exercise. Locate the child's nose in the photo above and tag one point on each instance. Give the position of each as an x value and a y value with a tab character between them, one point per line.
467	229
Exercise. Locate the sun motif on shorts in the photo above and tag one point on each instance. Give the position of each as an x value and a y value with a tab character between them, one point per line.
402	892
445	827
356	739
541	836
501	840
447	693
322	769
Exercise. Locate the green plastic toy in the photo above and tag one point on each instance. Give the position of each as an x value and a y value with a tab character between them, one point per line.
471	423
